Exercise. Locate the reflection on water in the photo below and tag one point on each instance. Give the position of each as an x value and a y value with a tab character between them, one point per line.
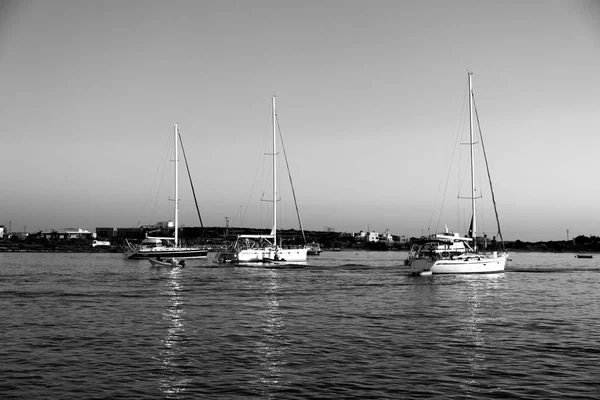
173	357
477	289
271	343
339	328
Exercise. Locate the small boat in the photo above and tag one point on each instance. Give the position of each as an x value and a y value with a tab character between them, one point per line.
224	257
266	248
455	254
171	263
583	256
167	247
314	249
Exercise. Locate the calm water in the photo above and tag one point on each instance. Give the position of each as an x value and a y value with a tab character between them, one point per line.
348	325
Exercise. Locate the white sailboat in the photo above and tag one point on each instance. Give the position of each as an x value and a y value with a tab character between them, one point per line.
450	253
265	248
167	251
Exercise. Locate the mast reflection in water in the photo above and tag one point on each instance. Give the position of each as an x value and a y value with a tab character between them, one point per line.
476	289
349	325
272	343
173	355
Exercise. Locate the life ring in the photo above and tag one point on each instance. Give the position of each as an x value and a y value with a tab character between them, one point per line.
445	254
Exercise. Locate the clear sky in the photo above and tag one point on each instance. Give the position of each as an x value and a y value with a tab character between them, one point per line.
369	99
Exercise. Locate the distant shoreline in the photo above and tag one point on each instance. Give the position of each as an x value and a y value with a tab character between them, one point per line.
327	240
116	250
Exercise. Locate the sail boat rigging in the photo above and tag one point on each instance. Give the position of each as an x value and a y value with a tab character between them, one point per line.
187	166
449	253
267	248
489	176
156	248
291	184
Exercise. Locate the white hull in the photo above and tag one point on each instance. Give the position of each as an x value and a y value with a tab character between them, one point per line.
271	254
470	264
166	252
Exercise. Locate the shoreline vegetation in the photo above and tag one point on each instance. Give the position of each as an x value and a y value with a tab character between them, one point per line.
217	238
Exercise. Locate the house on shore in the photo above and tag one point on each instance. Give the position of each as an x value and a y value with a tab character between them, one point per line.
68	233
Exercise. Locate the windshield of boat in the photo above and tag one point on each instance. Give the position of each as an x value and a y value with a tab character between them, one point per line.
252	243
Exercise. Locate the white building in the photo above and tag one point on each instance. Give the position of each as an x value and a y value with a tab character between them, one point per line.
372	237
68	233
386	237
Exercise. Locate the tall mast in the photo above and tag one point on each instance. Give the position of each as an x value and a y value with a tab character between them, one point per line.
274	176
474	235
175	131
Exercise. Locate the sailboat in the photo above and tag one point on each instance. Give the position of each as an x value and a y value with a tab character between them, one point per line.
450	253
167	251
265	248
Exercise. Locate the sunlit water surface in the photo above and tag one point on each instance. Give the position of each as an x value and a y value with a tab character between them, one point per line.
347	325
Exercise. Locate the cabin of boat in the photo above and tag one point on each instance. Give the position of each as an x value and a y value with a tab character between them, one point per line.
441	246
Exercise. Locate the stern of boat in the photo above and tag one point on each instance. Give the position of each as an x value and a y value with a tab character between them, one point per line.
419	265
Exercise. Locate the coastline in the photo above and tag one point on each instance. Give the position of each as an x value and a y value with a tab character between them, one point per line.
329	241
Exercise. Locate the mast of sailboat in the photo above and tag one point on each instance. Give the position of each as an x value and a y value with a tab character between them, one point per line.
474	219
274	176
176	199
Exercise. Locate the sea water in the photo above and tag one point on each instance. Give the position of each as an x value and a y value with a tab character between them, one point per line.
348	324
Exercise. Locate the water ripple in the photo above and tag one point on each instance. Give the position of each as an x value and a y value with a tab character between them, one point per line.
344	326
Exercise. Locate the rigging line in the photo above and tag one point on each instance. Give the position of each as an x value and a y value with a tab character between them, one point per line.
450	169
479	205
164	159
291	183
488	174
259	164
191	182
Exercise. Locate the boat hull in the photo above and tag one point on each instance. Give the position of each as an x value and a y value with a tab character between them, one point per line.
168	253
269	255
476	264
